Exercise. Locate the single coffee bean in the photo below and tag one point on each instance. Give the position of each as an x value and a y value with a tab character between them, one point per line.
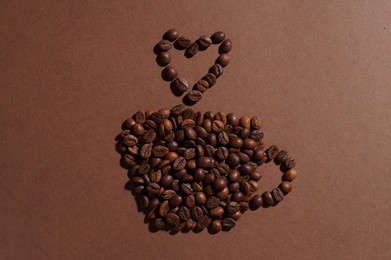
290	163
278	195
256	176
196	213
159	223
130	140
138	129
249	143
155	176
176	200
200	198
244	158
204	42
149	136
128	123
169	73
163	58
153	189
186	188
192	50
164	208
179	227
151	214
256	202
212	202
198	186
222	153
179	163
244	206
171	35
190	133
223	138
190	224
259	157
267	198
194	95
146	150
272	152
181	84
235	142
220	183
218	37
228	223
232	119
204	162
245	188
203	222
174	210
210	78
233	207
215	226
182	43
166	180
178	109
281	157
238	196
256	122
216	212
256	135
184	213
285	187
202	85
172	219
160	151
225	46
217	126
223	60
217	70
289	175
164	45
190	201
168	194
199	174
140	117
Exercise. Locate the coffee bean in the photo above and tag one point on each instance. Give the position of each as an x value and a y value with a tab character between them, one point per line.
215	226
245	187
188	114
164	208
189	154
233	207
169	73
128	123
179	227
182	43
210	78
278	195
285	187
290	175
130	140
168	194
235	142
290	163
163	58
171	35
172	219
259	157
225	46
220	183
153	189
164	45
190	201
222	153
228	223
281	157
186	188
197	186
146	150
192	50
184	213
159	223
190	224
202	85
218	37
139	117
196	213
204	42
272	152
217	70
181	84
160	151
216	212
212	202
256	122
179	163
194	95
267	198
217	126
199	174
178	109
176	200
149	136
155	176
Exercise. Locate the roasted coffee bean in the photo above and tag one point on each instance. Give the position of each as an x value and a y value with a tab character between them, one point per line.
216	212
204	162
190	133
153	189
232	119
249	143
164	208
188	123
182	43
285	187
197	186
225	46
243	157
256	122
179	227
184	213
176	200
244	122
278	195
233	207
143	169
212	139
188	114
233	160
133	150
259	157
222	153
228	223
202	85
290	175
203	222
218	37
256	202
200	198
179	163
220	183
215	226
212	202
140	117
130	140
223	60
189	144
163	58
272	152
210	78
223	138
155	176
146	150
190	224
256	135
244	206
159	223
151	214
178	109
149	136
164	45
245	188
169	73
160	151
267	198
194	95
168	194
189	153
190	201
204	42
196	213
207	125
128	123
172	219
192	50
149	124
171	35
137	180
217	70
198	118
235	142
218	126
199	174
238	196
181	84
290	163
186	188
281	157
157	117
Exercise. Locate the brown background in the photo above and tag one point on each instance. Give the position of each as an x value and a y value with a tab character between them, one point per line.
318	72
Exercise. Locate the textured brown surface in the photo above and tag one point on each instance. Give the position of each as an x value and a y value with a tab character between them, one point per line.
317	71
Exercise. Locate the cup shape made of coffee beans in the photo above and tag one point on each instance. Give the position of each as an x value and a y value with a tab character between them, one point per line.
192	171
178	84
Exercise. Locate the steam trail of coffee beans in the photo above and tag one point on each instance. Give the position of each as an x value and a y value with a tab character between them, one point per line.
194	170
179	84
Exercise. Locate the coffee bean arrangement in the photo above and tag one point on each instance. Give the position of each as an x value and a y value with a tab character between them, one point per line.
193	171
179	85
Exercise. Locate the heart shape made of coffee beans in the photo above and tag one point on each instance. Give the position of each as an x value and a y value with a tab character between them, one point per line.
180	85
191	171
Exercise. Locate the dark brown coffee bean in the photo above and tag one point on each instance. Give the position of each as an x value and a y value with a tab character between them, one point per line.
244	206
256	122
212	139
159	223
215	226
210	78
212	202
189	153
194	95
164	208
192	50
129	140
245	188
157	117
190	133
155	176
197	186
186	188
203	222
160	151
217	126
128	123
228	223
217	70
181	84
168	194
198	118
281	157
137	180
225	46
171	35
139	117
190	224
149	136
216	212
272	152
223	60
223	138
169	73
238	196
178	109
289	175
218	37
200	198
149	124
196	213
267	198
188	114
222	153
189	144
202	85
182	43
163	58
190	201
146	150
184	213
204	162
232	119
233	207
204	42
207	125
233	160
153	189
199	174
290	163
278	195
259	157
164	45
179	163
256	135
175	185
243	157
235	142
285	187
220	183
151	214
172	219
176	200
